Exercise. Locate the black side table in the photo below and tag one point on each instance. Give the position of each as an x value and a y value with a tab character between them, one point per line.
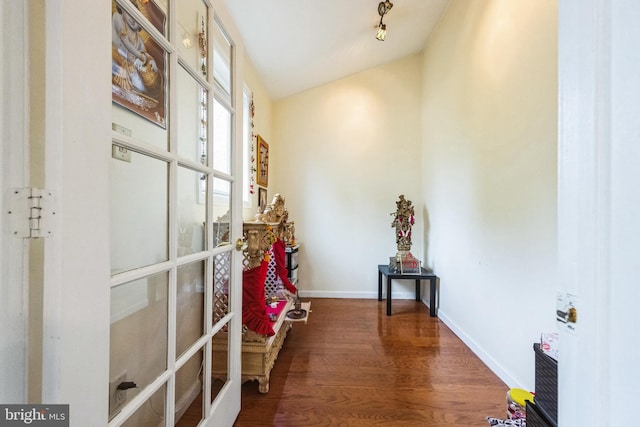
423	275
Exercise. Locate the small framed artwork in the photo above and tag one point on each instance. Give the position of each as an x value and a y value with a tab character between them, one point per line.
263	162
262	197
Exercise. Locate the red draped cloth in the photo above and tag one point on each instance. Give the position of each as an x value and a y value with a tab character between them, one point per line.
254	309
281	268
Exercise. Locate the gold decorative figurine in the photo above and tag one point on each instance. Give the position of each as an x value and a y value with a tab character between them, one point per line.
403	220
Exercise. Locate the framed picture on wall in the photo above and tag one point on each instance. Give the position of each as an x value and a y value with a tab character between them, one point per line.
138	63
263	162
262	197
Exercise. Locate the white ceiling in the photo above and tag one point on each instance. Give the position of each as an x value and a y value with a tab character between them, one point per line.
295	45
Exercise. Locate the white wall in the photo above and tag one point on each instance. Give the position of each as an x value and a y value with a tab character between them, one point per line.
262	122
489	176
468	133
341	154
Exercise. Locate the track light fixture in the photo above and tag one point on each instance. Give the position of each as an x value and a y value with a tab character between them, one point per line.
383	8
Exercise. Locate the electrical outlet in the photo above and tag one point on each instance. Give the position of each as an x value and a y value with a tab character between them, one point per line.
117	398
120	153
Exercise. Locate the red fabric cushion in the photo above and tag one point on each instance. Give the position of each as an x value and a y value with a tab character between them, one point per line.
254	310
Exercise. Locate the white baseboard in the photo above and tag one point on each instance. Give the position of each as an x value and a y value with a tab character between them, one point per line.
491	363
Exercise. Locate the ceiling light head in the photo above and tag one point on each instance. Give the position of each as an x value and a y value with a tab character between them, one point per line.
383	8
382	32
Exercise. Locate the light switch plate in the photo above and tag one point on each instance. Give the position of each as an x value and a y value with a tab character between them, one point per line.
123	130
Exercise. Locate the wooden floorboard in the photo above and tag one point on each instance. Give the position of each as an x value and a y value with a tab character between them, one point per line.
352	365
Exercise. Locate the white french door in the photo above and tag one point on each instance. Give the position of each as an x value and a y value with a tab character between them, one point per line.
139	274
176	210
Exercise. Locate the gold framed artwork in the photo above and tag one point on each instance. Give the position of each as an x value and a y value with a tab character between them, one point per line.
138	62
262	177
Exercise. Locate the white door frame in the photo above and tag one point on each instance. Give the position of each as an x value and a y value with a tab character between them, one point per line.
76	263
598	209
14	160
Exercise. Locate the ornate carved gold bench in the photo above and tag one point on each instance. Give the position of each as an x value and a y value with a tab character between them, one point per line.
260	351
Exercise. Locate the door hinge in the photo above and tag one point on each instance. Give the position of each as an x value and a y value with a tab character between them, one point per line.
31	212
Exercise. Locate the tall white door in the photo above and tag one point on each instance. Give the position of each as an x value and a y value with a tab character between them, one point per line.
175	213
139	277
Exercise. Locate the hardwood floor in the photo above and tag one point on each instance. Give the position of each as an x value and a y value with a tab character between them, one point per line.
352	365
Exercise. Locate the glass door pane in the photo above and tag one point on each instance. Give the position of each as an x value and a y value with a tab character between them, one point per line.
222	60
220	362
221	138
139	71
189	401
138	338
139	211
191	118
192	213
152	411
193	23
190	306
221	283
